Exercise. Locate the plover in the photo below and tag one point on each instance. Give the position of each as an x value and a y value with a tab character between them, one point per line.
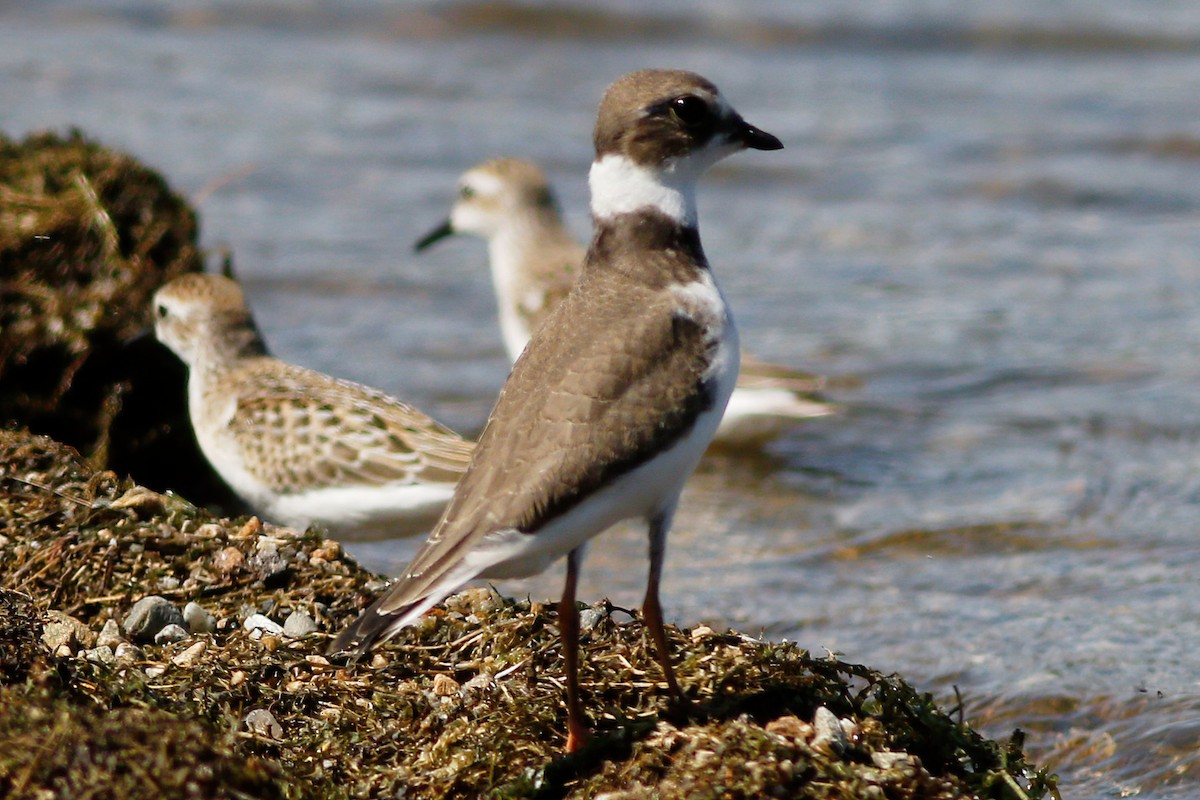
300	447
608	410
535	261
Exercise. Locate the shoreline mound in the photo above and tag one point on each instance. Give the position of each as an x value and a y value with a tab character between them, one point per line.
150	649
87	234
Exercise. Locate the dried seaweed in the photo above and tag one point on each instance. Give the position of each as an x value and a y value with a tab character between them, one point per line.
87	234
468	703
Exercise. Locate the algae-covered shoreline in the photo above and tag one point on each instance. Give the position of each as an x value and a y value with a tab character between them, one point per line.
466	704
238	698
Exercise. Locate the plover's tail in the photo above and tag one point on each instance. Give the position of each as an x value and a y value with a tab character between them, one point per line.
379	623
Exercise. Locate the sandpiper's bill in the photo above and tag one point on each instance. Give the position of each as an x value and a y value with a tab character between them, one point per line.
535	261
300	447
610	406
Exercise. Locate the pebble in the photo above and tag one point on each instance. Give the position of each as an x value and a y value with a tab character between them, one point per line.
198	620
268	562
790	727
589	618
149	616
110	635
209	530
251	528
103	654
329	550
258	624
828	735
171	633
444	685
155	672
229	560
64	630
128	652
298	625
190	656
263	723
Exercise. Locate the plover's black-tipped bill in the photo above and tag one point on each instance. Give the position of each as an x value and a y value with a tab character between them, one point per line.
755	139
435	235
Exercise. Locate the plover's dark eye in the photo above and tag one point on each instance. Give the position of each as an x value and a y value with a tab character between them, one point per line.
466	193
690	110
162	310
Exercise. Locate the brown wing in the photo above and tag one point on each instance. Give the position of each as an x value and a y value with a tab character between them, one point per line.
627	378
310	430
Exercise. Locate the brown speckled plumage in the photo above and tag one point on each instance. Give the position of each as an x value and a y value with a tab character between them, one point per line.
303	430
284	437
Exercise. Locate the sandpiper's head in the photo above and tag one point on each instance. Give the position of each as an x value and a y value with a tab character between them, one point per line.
494	195
197	314
660	130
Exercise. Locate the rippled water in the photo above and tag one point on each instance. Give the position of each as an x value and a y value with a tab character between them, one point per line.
985	220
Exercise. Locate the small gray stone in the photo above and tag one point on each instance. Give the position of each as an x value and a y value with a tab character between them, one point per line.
128	652
101	655
828	734
149	616
263	723
589	618
110	635
262	624
198	620
171	633
268	562
298	625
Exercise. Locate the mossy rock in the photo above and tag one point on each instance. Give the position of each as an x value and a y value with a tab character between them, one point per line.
87	234
468	703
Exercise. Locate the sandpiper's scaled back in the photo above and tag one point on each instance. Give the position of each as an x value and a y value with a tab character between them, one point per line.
300	447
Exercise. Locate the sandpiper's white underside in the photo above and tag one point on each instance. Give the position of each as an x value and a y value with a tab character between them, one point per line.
366	511
507	251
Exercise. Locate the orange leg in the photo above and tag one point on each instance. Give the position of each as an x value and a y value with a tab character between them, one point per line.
568	626
652	609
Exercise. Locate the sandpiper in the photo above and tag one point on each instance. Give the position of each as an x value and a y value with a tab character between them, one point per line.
300	447
535	261
608	410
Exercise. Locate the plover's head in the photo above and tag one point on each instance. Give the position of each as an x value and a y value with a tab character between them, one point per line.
656	132
199	314
494	195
